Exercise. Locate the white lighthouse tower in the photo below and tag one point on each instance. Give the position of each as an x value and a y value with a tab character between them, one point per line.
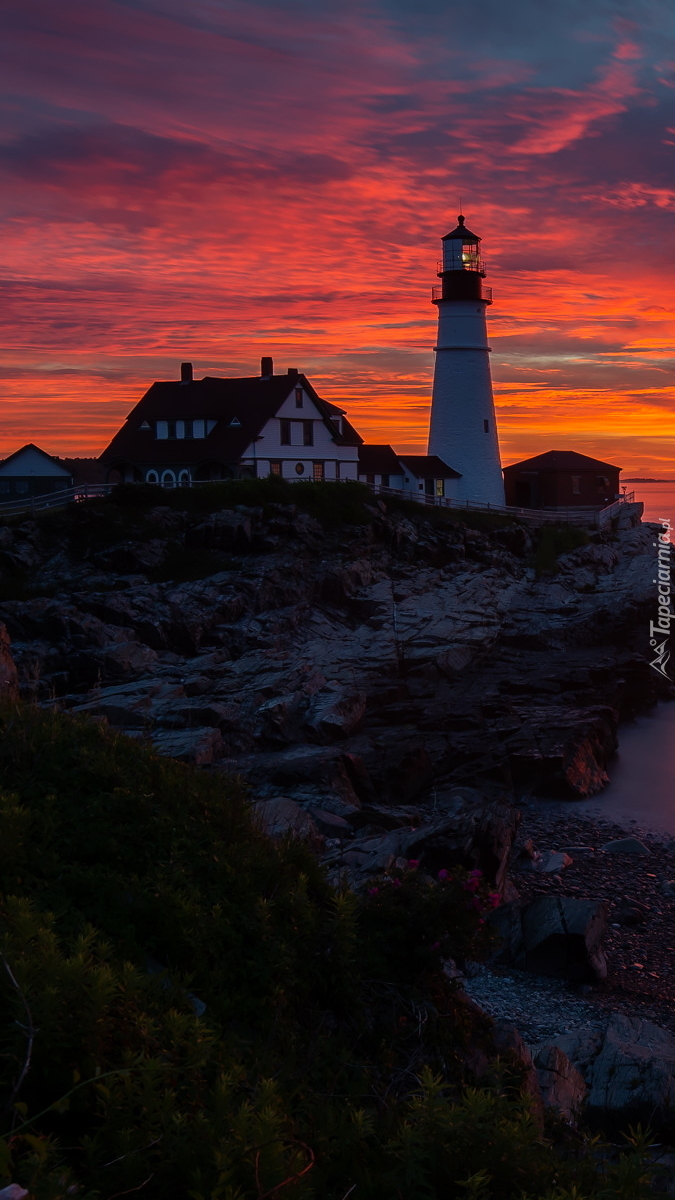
463	430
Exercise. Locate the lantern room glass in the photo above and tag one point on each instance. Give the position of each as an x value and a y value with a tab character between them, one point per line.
461	256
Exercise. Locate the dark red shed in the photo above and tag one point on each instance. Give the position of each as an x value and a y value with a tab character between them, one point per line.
561	479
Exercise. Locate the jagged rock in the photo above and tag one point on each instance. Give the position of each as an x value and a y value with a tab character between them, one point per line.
627	845
544	862
223	530
336	712
331	824
562	1086
629	1068
508	1041
474	833
131	558
128	658
197	746
554	935
281	816
564	751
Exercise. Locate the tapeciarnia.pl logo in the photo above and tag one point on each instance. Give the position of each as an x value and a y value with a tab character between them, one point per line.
665	610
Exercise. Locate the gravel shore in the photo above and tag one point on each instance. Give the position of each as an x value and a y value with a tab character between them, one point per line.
641	956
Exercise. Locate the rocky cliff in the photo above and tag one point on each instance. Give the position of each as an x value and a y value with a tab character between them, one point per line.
348	667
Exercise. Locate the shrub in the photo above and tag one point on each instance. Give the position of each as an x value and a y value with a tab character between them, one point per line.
331	1053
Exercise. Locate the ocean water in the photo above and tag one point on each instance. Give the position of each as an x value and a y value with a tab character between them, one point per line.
658	499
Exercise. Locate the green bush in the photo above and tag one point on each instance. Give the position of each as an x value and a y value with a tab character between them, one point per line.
554	540
331	1054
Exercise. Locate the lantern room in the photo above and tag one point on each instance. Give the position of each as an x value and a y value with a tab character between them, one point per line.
461	250
462	269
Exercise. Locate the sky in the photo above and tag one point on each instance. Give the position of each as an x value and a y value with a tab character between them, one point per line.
215	180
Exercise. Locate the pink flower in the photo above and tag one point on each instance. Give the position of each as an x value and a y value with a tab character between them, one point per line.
373	891
475	874
471	885
494	899
413	862
443	875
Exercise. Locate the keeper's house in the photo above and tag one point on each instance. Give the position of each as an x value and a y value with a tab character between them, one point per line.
561	479
201	429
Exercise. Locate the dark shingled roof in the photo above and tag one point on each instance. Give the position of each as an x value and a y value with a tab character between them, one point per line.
251	401
428	466
378	460
561	460
462	232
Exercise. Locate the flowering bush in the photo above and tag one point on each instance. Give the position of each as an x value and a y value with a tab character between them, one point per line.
412	921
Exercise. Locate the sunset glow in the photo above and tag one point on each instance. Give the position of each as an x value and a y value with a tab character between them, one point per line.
216	181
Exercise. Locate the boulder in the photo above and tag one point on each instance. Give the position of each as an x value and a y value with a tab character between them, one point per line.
561	1085
509	1042
336	712
128	658
197	746
554	935
627	845
628	1068
281	816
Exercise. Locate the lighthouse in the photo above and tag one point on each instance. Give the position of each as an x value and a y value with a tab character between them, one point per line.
463	430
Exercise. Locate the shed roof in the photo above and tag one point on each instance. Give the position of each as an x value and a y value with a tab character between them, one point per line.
561	460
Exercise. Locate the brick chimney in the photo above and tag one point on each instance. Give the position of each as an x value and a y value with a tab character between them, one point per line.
266	367
186	372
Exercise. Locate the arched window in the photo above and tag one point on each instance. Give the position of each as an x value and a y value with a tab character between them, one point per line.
184	478
151	477
168	479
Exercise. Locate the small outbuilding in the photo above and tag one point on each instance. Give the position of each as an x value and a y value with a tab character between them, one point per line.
561	479
31	472
426	473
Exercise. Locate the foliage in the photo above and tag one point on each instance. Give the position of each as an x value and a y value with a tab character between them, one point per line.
331	503
554	540
332	1053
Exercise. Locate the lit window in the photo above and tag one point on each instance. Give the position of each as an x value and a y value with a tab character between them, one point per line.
275	468
317	472
285	434
308	433
298	397
439	487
